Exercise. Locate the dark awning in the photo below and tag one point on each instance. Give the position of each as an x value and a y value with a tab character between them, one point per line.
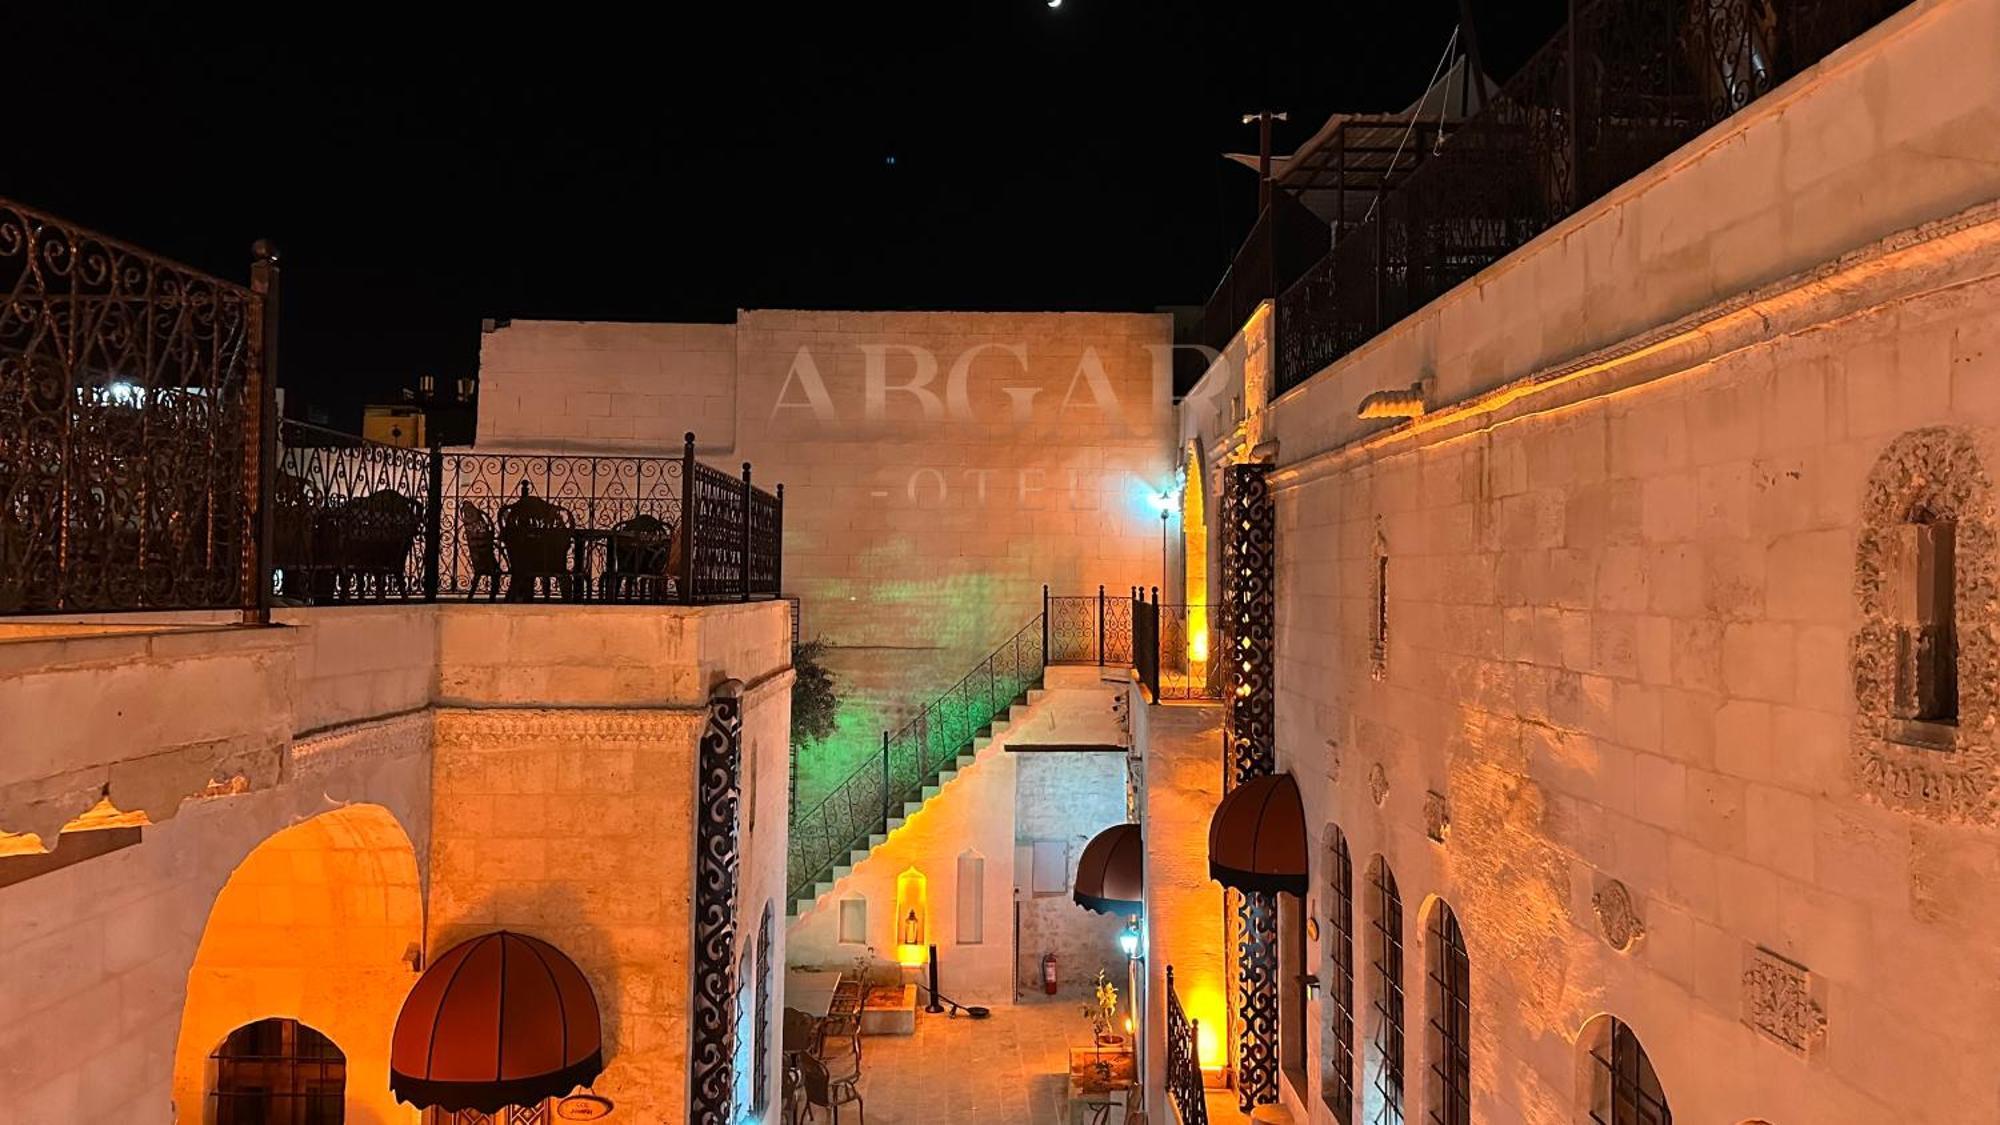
1110	878
501	1020
1257	839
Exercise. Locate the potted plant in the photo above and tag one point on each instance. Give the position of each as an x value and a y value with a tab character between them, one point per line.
1101	1011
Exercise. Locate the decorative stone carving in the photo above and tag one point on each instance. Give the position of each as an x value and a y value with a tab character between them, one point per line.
475	727
317	754
1378	784
1937	473
1333	761
1437	816
1783	1001
711	1078
1618	916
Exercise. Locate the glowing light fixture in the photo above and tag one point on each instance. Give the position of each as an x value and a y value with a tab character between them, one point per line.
1128	940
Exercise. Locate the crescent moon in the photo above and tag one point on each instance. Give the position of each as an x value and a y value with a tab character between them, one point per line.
1055	3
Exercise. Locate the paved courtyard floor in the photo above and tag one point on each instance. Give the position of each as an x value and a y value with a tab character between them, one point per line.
1011	1069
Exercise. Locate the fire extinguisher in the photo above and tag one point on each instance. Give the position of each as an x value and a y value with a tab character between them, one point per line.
1049	973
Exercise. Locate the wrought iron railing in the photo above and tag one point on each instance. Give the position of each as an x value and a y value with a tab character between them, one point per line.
361	521
131	396
1183	1081
1167	644
912	757
1626	83
1089	628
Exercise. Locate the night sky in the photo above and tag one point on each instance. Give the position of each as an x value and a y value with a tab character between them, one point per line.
418	175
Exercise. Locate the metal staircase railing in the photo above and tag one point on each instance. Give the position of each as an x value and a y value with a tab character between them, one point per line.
824	836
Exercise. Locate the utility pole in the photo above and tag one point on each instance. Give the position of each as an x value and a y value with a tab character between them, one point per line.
1263	119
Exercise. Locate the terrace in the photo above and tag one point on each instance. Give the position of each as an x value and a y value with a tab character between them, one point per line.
1361	232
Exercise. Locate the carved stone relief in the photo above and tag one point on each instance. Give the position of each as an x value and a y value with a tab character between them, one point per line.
1437	816
1617	916
1378	784
1936	472
1783	1001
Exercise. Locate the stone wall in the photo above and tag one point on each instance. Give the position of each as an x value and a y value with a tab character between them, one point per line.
1623	647
920	526
1886	133
564	802
1182	771
1065	798
281	780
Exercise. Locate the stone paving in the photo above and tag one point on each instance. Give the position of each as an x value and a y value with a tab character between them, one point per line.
1010	1069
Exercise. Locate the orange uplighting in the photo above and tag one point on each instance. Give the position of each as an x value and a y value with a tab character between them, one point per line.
912	917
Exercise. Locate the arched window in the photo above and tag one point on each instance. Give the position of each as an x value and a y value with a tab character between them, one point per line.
1621	1086
1385	958
1448	1024
1337	1084
278	1072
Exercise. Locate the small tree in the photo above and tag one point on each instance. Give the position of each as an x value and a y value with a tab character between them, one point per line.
814	700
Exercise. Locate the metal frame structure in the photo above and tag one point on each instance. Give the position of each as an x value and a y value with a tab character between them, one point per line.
1183	1078
712	1011
1630	1091
1337	1082
1448	1020
1386	996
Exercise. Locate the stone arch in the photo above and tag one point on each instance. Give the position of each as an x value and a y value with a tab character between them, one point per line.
1602	1041
321	923
1933	474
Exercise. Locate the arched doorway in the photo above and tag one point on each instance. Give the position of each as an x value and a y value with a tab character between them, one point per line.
315	929
277	1072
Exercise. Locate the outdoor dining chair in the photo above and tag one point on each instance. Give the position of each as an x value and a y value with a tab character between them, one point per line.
476	529
536	535
827	1092
637	563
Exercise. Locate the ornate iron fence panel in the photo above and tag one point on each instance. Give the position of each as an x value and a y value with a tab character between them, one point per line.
1627	84
597	493
1183	1079
1074	623
720	531
350	519
1188	668
912	757
129	393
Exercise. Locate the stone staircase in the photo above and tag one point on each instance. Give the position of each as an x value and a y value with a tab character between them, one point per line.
990	740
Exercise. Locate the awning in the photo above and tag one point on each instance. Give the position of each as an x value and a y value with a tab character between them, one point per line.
1257	838
1110	877
501	1020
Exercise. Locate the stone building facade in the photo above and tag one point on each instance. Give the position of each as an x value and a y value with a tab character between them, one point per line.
1616	656
319	808
939	467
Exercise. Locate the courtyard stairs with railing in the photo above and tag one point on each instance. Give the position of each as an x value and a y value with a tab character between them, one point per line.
989	741
948	736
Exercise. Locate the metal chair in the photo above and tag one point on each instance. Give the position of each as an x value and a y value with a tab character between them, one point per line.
536	535
823	1090
640	550
476	528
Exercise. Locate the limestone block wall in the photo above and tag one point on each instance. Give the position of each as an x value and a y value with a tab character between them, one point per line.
1182	783
973	815
564	802
100	953
1884	134
920	525
1064	797
1624	641
594	385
